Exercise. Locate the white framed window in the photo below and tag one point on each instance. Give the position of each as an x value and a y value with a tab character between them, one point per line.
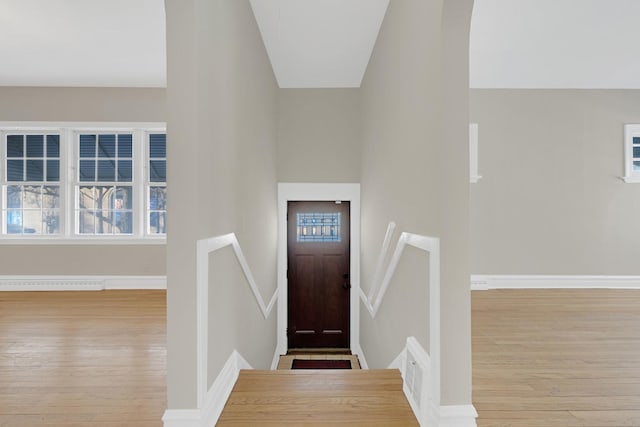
31	183
83	183
156	184
474	176
631	153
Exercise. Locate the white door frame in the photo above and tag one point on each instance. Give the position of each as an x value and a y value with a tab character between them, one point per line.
318	192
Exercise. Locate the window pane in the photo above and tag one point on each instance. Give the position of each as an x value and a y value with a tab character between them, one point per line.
31	196
636	166
32	221
158	198
53	170
158	170
157	145
123	222
14	196
107	146
106	170
87	170
125	144
87	145
157	210
124	198
86	198
51	221
636	140
15	146
103	197
636	152
125	170
157	222
104	222
15	170
14	221
35	170
87	222
50	197
53	145
35	145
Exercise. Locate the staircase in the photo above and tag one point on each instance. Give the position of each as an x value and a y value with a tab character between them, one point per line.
346	397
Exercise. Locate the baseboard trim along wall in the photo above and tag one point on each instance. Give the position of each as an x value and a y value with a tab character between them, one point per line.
214	400
181	418
414	364
81	283
487	282
458	416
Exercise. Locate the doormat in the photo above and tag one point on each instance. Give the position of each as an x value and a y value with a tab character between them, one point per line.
320	364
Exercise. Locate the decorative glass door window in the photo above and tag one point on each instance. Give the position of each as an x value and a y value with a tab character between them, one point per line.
32	190
318	227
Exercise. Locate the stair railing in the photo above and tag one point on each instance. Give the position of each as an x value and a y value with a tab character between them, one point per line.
204	248
380	285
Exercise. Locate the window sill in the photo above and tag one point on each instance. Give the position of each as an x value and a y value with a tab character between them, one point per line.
89	241
631	179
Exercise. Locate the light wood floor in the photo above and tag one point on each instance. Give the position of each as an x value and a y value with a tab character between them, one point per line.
90	359
545	358
320	398
541	358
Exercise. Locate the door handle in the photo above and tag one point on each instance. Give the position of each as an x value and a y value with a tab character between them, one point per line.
346	284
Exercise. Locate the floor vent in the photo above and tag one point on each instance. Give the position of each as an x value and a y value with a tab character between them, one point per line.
51	285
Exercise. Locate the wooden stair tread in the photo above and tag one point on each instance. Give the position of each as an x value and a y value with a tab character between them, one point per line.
318	397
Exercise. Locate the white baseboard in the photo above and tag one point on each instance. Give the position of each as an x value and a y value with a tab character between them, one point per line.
457	416
215	399
181	418
357	350
486	282
221	388
80	283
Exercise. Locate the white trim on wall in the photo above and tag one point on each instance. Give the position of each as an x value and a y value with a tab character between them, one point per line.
474	175
416	368
81	283
458	416
205	247
486	282
318	192
214	400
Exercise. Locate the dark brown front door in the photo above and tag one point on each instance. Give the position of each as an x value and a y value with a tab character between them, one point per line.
318	274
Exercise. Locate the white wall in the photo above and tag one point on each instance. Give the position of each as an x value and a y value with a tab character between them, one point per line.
319	135
415	172
39	104
222	125
550	200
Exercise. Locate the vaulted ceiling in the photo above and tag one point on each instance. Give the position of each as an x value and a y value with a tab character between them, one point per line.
322	43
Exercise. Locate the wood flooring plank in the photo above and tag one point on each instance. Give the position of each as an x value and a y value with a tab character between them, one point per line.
318	397
91	359
556	358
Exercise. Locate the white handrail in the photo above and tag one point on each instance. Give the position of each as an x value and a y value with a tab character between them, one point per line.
203	249
431	245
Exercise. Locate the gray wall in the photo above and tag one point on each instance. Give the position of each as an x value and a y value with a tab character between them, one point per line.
82	104
415	172
319	135
550	200
222	130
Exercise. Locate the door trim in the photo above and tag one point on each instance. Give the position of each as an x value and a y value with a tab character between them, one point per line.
318	192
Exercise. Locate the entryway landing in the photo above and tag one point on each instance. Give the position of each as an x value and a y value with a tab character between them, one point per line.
317	398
